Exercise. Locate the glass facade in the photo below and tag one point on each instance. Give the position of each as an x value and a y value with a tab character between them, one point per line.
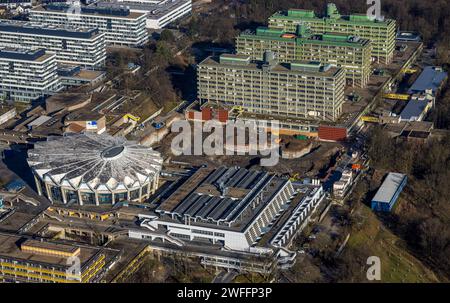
120	196
71	196
105	198
56	195
134	194
88	198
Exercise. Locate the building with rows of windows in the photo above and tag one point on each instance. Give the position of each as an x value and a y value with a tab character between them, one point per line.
381	33
92	169
27	260
239	209
79	46
349	52
27	75
121	26
298	90
160	13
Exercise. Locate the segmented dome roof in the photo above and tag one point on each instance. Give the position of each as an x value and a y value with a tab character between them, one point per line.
93	161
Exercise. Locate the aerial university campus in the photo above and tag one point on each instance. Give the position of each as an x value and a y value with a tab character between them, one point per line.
219	141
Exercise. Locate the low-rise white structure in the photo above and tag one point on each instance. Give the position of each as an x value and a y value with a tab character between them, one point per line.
72	76
341	187
26	75
159	13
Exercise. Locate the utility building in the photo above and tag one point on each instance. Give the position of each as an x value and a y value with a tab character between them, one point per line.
347	51
381	33
299	90
388	193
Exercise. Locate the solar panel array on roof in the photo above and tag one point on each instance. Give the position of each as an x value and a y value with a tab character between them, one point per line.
224	204
234	177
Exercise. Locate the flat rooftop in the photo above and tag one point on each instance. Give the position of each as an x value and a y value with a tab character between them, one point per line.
50	246
304	68
90	11
66	100
301	14
414	108
220	194
24	27
83	115
432	77
156	9
326	38
10	248
37	55
389	187
85	74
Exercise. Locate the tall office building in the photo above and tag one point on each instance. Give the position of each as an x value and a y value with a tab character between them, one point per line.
79	46
381	33
121	26
349	52
26	75
298	90
160	13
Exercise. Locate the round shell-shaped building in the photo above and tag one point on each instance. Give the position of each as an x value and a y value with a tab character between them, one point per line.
91	169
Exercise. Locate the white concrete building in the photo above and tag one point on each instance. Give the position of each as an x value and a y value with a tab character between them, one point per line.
341	187
11	4
80	46
26	75
93	169
233	207
159	13
121	26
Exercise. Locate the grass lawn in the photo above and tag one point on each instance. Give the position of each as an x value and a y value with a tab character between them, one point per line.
250	278
397	264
